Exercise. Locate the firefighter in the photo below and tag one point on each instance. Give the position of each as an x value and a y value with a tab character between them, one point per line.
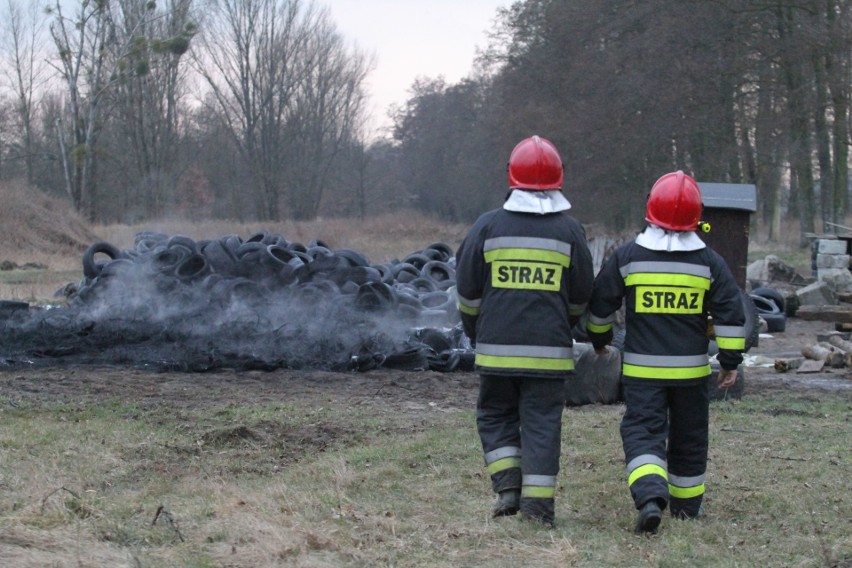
523	277
670	282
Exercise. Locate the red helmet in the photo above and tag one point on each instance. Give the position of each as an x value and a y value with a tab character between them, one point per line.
535	164
675	203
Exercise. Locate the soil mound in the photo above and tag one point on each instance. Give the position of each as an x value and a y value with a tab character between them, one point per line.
32	223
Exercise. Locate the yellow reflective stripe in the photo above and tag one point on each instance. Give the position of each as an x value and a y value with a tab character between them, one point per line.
665	372
537	492
686	492
528	255
737	343
503	464
647	469
667	279
471	311
499	362
595	328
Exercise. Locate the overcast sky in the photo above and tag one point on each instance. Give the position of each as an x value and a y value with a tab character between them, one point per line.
411	39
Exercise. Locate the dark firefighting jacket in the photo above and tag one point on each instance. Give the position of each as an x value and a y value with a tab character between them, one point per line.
667	297
521	280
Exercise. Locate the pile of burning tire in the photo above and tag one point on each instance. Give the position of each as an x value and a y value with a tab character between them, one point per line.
261	302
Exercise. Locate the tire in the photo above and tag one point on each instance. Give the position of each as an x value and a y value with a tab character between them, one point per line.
775	323
771	313
752	327
91	268
352	258
445	250
183	241
418	259
765	305
438	271
771	294
193	267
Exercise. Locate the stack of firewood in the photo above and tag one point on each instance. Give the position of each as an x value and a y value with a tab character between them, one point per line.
835	352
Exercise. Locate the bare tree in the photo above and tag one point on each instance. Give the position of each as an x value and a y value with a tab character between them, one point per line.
250	61
147	96
87	59
96	54
23	30
838	67
328	106
288	92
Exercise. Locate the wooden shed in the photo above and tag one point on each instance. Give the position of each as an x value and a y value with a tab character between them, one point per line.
728	208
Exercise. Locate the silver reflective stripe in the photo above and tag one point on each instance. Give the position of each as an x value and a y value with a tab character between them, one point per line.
469	303
539	351
526	243
679	481
645	459
601	321
665	267
730	330
539	480
678	361
504	452
577	308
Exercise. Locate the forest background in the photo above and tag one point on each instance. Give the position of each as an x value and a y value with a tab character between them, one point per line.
254	110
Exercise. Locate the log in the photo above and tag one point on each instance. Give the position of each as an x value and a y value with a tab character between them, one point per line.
817	352
840	343
784	364
837	362
837	314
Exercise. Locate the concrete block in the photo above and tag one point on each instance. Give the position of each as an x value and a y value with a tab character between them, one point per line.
832	260
838	279
831	246
817	294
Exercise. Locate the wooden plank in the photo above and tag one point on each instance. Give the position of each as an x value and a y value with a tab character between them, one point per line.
810	366
838	314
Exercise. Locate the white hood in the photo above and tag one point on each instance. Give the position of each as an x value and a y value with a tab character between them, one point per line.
539	202
657	238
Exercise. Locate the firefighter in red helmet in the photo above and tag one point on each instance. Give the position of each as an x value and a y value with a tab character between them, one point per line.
669	281
523	277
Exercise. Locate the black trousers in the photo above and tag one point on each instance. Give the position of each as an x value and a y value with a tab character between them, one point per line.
522	413
665	436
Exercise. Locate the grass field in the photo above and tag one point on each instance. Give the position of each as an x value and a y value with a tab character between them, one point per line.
93	478
103	467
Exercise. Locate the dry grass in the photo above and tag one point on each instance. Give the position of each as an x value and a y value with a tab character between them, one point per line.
37	228
84	479
382	238
45	232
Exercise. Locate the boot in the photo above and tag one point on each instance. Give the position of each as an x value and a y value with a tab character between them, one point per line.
508	503
540	511
686	515
649	518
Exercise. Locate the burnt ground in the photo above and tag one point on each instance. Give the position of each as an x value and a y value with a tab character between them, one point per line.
382	390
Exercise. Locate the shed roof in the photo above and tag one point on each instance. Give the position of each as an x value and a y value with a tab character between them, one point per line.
729	195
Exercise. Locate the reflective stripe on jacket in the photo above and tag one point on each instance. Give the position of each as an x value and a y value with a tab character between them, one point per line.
667	297
521	279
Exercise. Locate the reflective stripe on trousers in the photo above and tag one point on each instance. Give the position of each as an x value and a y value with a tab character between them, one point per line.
538	486
646	464
502	459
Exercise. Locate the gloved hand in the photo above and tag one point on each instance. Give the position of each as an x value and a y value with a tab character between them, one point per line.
600	341
726	378
602	350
